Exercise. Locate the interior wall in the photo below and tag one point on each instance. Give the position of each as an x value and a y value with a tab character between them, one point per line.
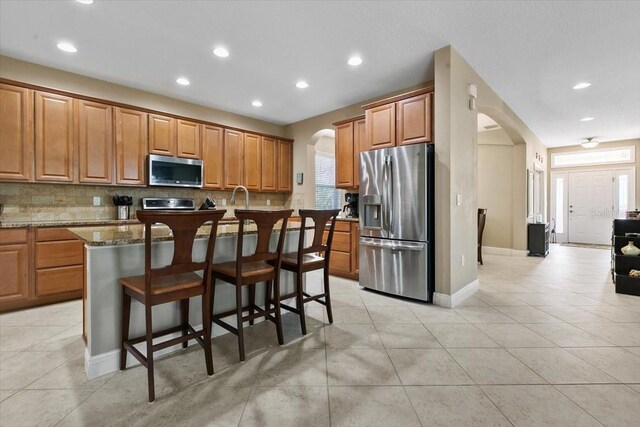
495	187
456	167
26	72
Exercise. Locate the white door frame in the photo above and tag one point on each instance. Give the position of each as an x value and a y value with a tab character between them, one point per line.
630	170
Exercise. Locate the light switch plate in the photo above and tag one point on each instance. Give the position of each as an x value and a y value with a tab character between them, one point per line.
268	202
224	202
458	199
96	201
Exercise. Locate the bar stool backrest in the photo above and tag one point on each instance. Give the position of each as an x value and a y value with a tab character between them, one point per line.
184	226
320	219
265	222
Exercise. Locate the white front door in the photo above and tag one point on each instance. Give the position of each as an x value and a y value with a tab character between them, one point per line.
591	206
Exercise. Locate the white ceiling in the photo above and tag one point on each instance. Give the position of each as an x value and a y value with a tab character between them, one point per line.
530	53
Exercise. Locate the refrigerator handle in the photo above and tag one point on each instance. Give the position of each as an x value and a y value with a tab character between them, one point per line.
383	205
390	196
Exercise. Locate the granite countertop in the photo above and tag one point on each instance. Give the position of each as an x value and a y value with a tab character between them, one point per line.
127	234
65	223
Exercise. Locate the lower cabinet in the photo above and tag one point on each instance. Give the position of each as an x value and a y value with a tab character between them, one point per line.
344	250
39	266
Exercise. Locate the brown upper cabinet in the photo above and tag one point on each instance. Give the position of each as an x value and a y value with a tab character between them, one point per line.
162	135
54	138
344	155
95	142
233	158
359	145
401	120
381	126
188	139
252	161
213	156
131	146
269	164
16	133
285	166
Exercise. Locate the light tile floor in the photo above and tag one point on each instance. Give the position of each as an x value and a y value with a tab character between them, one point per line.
544	342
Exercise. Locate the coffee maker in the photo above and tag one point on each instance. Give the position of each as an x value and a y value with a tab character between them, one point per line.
351	208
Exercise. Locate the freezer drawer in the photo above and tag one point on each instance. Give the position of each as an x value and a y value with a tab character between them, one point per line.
395	267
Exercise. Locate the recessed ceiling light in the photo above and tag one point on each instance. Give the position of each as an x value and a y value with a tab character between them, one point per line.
221	52
587	119
183	81
85	1
302	84
256	103
581	85
354	61
67	47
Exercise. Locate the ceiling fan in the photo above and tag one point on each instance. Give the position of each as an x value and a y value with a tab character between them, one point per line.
590	142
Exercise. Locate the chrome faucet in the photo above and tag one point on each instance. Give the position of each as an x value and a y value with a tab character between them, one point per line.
246	196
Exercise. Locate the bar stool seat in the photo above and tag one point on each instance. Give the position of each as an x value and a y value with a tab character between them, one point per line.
309	262
259	270
164	284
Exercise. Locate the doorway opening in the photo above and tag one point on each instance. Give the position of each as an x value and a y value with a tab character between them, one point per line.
320	190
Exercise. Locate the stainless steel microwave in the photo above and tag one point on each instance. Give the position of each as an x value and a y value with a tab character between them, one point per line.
168	171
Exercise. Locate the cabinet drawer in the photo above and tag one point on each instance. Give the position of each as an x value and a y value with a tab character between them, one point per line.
13	235
60	279
343	226
58	254
341	241
52	234
340	261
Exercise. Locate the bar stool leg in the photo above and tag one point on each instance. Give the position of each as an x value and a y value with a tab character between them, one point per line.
276	303
239	322
126	315
206	325
150	378
184	318
267	295
327	294
300	301
252	301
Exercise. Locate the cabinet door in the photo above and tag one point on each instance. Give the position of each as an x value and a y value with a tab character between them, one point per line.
381	126
252	161
95	142
344	155
162	135
414	120
269	164
14	274
54	138
16	133
233	147
188	139
359	145
355	247
285	166
213	156
131	146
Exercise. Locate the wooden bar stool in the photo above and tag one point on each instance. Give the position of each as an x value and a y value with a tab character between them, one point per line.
248	270
313	257
175	282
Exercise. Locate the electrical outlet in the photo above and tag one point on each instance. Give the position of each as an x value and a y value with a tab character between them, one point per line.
268	202
224	202
462	260
96	201
459	199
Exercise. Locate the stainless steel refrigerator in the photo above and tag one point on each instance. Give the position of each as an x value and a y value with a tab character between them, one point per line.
396	221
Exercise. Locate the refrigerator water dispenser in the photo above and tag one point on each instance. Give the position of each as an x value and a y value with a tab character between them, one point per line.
372	217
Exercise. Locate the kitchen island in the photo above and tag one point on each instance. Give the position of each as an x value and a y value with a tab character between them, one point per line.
116	251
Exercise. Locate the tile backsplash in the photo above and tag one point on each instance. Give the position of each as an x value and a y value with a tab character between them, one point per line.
43	202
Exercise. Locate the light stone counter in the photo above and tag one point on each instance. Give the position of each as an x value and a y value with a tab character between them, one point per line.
113	252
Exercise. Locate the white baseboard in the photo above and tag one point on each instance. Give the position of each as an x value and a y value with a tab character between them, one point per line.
451	301
491	250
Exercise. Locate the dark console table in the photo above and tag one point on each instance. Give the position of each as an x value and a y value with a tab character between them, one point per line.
622	264
538	239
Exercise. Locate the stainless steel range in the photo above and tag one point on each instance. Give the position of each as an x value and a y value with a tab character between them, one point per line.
168	203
